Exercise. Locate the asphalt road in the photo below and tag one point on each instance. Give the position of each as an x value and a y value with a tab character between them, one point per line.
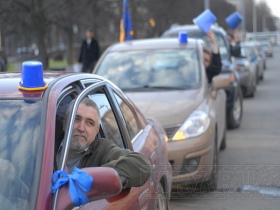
249	168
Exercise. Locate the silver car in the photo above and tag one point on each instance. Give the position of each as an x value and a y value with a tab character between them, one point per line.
167	81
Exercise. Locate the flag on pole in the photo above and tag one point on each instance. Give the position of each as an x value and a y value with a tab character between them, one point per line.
126	30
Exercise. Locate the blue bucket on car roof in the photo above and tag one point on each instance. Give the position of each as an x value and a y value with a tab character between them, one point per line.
32	78
183	37
205	20
234	20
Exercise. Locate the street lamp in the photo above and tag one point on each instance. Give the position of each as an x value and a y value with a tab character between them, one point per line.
206	4
254	16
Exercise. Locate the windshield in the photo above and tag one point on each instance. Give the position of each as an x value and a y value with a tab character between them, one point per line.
145	69
200	35
19	130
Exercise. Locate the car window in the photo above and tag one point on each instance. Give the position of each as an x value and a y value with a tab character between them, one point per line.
108	119
170	68
130	119
20	125
62	106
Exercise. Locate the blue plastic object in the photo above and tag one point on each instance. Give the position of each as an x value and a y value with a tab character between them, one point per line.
205	20
79	183
32	75
234	20
183	37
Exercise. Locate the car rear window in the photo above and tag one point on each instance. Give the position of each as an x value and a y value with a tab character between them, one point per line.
167	68
19	135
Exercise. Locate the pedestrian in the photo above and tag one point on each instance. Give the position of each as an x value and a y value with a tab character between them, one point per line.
89	150
212	58
89	53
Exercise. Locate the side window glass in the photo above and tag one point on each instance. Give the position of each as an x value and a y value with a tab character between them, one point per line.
109	124
60	115
129	117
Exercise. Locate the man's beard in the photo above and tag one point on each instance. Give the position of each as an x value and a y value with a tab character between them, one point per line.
78	144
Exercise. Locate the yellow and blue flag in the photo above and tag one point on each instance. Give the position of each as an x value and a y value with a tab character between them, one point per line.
126	30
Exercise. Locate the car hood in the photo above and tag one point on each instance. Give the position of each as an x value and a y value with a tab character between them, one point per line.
168	107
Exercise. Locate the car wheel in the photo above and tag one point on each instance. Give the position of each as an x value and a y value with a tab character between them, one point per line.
161	198
261	77
234	115
253	90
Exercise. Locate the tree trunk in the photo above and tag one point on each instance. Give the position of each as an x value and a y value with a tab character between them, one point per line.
70	47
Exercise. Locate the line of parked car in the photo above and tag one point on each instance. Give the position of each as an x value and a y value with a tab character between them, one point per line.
166	80
180	126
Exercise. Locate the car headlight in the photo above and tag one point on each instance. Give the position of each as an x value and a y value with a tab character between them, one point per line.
195	125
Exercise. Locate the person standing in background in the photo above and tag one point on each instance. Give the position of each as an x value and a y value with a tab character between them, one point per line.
89	53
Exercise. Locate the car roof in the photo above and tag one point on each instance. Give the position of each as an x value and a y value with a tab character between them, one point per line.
155	43
192	27
9	85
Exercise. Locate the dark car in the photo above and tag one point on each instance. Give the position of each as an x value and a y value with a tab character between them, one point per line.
234	92
31	126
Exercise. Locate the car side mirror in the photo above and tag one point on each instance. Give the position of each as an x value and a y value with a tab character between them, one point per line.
106	184
220	82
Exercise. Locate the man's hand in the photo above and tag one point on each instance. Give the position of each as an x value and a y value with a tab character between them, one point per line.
212	39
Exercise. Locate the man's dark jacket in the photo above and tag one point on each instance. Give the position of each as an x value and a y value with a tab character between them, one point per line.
215	67
89	53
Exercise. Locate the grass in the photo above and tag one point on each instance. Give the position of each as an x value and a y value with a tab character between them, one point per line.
53	64
57	63
11	67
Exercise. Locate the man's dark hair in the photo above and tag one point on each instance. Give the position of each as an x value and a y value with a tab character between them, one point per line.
85	101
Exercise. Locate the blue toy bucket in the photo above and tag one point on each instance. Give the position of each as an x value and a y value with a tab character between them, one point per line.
234	20
183	37
205	20
32	75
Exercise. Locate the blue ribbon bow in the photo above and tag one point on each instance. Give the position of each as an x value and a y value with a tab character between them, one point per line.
79	182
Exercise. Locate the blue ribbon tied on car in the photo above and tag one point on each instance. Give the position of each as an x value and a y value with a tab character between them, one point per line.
79	183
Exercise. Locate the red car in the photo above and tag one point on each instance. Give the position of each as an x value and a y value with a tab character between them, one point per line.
31	126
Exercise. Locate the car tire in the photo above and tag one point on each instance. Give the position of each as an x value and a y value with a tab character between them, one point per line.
234	115
253	91
261	77
161	203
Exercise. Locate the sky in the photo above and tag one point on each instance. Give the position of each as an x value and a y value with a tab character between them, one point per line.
274	6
